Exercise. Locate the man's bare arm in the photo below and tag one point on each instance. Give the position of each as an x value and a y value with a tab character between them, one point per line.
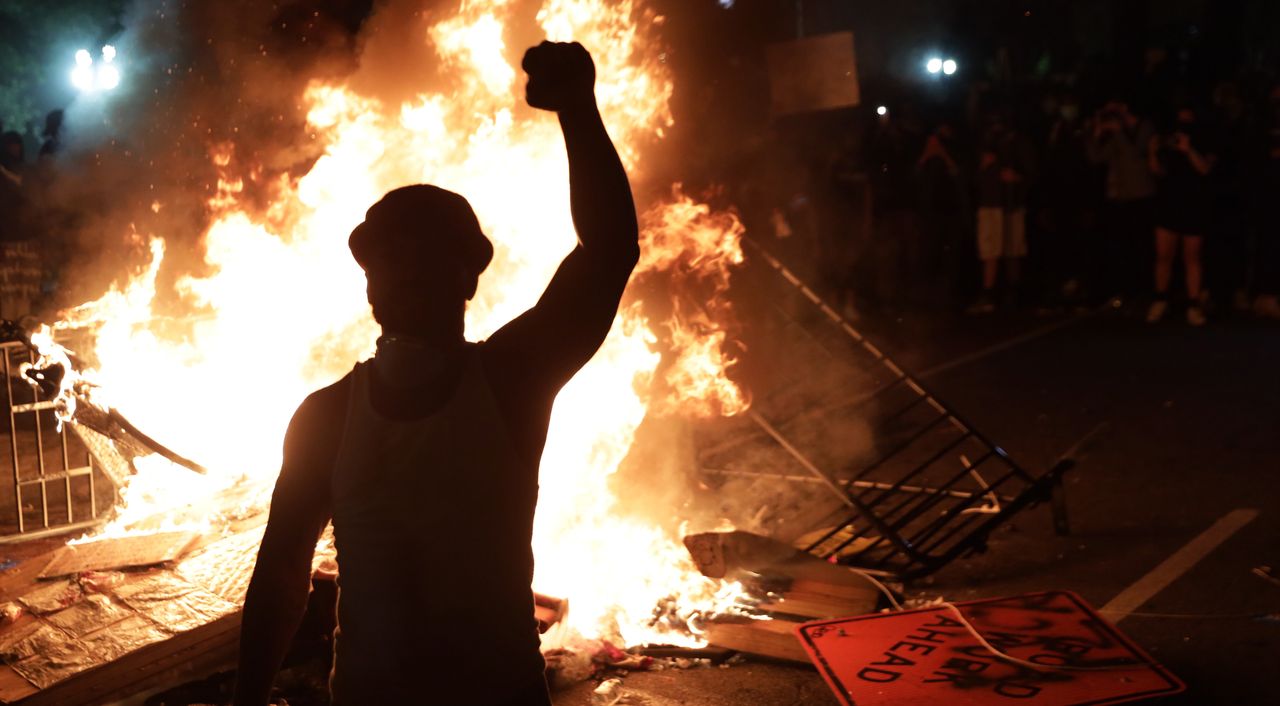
574	314
281	583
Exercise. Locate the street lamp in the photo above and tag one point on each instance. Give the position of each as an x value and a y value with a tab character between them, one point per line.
106	76
933	65
82	74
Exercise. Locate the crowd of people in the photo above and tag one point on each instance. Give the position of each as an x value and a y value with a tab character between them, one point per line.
29	260
1050	201
1054	197
18	172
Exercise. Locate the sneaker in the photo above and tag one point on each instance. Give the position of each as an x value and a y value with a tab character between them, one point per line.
984	305
1157	311
1195	316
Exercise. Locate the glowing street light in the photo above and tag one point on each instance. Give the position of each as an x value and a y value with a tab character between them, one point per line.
949	66
882	110
82	74
933	65
106	77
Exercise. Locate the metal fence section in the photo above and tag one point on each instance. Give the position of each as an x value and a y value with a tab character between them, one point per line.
50	496
927	488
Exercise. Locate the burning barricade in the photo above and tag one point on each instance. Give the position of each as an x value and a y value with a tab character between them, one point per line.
184	414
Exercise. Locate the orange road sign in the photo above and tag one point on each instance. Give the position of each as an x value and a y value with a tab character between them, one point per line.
1070	656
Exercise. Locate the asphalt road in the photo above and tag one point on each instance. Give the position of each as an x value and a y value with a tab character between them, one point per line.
1191	438
1177	495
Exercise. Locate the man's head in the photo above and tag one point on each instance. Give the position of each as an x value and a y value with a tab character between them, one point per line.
422	251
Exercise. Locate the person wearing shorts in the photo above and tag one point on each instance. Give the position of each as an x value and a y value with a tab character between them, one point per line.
1002	233
1002	219
1181	165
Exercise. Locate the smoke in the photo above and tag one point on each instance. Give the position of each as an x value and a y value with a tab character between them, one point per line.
197	77
227	81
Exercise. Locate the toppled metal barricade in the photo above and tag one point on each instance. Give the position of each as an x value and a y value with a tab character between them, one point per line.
914	485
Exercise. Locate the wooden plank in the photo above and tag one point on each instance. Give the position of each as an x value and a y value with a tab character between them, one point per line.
818	605
771	638
13	687
767	563
189	654
32	559
119	553
186	656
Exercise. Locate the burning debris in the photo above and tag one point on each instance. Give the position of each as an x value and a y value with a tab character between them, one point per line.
179	372
56	377
216	381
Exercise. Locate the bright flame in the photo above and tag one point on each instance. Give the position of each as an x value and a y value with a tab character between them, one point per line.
284	310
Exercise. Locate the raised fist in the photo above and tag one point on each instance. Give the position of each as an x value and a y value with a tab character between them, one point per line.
562	76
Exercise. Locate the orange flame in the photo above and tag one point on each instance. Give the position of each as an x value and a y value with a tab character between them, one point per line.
284	311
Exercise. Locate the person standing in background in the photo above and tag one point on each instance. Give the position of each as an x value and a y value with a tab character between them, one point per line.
1120	141
1183	211
1005	164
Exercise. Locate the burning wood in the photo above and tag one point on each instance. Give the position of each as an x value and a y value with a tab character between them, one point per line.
657	357
119	553
795	586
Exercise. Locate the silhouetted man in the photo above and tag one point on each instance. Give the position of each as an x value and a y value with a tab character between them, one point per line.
426	457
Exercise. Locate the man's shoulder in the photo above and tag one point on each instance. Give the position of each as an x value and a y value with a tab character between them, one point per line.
327	406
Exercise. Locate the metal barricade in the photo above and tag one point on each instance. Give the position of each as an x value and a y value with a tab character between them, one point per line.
926	489
61	495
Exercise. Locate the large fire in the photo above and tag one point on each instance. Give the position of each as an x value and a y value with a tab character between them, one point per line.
284	311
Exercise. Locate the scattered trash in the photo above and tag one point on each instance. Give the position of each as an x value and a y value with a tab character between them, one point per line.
608	693
9	613
51	597
611	693
100	581
568	667
610	655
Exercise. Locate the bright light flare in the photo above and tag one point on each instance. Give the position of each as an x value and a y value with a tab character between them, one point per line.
933	65
105	78
949	67
108	77
82	78
882	110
